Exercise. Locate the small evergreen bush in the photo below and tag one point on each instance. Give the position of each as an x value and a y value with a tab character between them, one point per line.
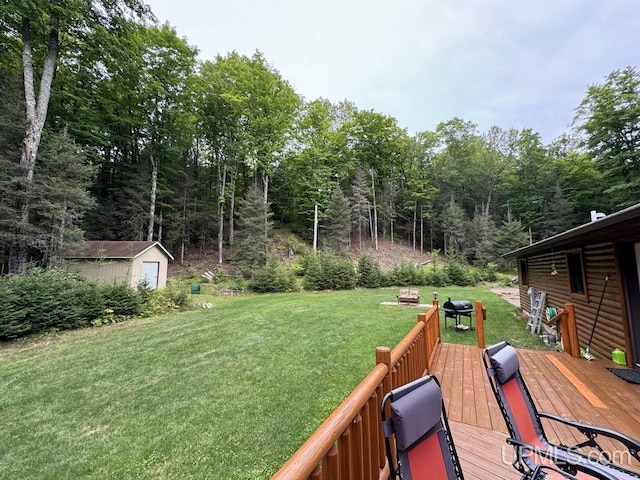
273	277
406	274
436	275
326	271
459	274
57	299
47	300
369	272
121	299
490	272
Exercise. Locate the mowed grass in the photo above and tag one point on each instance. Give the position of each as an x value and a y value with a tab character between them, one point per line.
229	392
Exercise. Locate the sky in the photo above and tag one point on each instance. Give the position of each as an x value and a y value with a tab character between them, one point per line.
509	63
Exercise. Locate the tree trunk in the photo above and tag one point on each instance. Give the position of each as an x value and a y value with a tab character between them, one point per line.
415	222
222	181
152	203
421	230
375	211
36	110
265	184
232	203
391	216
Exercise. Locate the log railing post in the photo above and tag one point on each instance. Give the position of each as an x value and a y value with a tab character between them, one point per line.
383	355
570	331
331	466
346	455
481	313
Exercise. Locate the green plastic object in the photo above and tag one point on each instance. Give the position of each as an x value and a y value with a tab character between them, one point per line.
619	357
195	288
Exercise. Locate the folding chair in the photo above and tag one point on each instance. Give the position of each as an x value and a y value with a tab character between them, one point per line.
530	442
415	416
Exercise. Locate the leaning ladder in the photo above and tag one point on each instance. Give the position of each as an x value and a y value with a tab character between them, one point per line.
535	318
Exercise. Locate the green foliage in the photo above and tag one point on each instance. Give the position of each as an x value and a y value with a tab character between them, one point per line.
336	226
458	272
510	236
274	277
121	299
436	275
42	300
173	298
369	272
608	117
56	299
406	274
296	246
124	97
254	228
489	273
326	271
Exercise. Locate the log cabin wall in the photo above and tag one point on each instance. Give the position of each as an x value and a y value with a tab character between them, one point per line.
598	261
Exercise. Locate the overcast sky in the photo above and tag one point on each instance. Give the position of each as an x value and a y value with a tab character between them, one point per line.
493	62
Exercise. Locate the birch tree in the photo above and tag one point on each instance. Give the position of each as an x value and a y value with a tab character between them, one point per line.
39	24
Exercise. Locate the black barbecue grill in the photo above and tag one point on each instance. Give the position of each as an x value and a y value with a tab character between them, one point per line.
456	309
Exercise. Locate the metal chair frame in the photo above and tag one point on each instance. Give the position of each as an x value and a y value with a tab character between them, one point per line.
568	458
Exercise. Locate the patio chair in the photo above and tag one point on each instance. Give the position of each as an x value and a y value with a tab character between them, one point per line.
423	445
415	416
529	439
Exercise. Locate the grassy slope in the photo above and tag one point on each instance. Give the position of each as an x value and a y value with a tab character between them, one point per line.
229	392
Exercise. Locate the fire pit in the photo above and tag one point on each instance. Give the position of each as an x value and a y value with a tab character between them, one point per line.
456	309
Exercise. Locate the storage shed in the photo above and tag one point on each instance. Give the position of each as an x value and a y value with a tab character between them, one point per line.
128	262
571	267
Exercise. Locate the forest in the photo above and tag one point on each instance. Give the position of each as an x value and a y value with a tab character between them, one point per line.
112	128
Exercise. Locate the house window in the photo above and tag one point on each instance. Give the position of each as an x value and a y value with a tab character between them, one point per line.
524	274
576	272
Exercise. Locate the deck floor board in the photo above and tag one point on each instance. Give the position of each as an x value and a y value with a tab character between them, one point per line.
477	425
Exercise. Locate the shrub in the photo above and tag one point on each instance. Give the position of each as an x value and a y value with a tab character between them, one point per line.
166	300
436	275
369	272
45	300
490	272
327	271
121	299
51	300
459	274
273	277
405	274
297	247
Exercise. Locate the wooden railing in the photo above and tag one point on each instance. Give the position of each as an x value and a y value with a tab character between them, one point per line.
350	444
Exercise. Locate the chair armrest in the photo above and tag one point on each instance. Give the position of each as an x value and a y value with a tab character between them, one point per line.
591	431
570	461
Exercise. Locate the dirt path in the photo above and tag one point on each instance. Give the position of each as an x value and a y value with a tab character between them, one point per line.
510	294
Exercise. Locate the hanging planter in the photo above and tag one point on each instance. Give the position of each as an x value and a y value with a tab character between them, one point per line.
554	272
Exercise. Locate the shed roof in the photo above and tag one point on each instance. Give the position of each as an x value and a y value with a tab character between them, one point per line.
113	249
610	227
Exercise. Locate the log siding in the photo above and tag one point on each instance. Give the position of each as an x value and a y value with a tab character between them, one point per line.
599	261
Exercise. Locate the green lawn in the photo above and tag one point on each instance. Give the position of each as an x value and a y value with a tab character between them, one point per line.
229	392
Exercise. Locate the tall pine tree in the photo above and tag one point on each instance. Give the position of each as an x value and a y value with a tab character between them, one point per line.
336	227
254	230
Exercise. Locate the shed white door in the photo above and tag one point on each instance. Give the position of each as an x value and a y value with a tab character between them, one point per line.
150	273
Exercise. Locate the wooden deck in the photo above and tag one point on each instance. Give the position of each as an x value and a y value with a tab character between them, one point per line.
569	387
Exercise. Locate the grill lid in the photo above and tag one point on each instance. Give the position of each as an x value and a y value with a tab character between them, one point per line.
458	306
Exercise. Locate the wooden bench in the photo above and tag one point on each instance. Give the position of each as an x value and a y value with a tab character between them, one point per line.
407	295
